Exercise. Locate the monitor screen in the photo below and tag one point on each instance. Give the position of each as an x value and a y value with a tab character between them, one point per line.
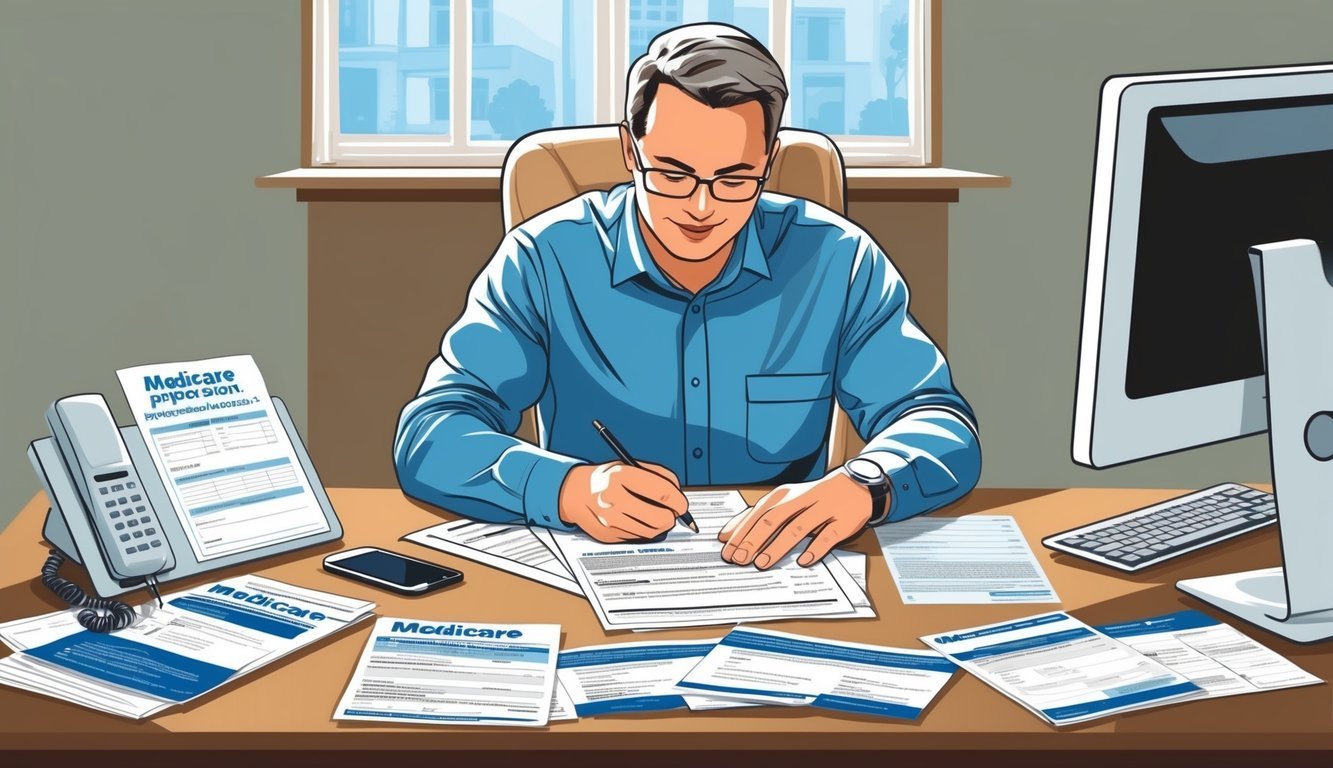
1217	179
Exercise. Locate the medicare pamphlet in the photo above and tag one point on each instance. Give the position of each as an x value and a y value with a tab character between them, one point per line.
459	673
955	560
199	640
1214	656
1061	669
223	454
767	667
630	677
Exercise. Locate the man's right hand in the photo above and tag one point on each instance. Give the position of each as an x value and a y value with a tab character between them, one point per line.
616	502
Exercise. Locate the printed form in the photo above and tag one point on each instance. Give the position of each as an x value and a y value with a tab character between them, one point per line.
1212	655
957	560
454	673
769	667
222	453
683	581
201	639
631	677
1061	669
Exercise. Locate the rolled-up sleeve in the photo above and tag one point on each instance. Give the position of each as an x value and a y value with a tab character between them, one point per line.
894	384
455	446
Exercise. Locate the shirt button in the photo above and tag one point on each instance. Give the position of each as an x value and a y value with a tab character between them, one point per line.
698	453
695	309
694	382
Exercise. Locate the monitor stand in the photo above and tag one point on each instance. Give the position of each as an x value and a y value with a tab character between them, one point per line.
1296	318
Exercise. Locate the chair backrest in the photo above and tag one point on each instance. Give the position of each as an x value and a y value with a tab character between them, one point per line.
544	169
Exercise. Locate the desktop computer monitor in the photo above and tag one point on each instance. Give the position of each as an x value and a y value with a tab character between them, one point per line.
1208	309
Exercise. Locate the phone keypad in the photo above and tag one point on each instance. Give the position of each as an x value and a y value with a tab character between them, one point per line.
130	511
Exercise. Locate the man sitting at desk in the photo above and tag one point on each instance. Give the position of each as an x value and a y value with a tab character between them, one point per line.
707	325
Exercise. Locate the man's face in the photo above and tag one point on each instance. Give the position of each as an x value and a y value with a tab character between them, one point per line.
684	136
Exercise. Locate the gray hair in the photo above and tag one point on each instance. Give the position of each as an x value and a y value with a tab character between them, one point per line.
716	64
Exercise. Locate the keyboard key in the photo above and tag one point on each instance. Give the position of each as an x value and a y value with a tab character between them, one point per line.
138	534
145	519
150	531
124	537
1106	547
156	542
131	484
136	497
114	514
1205	533
129	550
1131	558
1257	516
104	491
120	526
117	487
143	547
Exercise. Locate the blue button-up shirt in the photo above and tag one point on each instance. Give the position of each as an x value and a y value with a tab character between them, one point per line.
734	385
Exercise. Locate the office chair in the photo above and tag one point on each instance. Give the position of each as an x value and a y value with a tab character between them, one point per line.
546	168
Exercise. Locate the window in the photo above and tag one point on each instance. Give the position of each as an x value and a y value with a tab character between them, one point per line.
390	74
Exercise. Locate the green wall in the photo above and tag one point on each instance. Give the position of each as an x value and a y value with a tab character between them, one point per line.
130	227
1021	86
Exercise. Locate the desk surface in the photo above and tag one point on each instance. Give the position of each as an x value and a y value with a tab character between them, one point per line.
288	705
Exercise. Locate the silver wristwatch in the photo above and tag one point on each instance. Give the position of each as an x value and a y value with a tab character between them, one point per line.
868	473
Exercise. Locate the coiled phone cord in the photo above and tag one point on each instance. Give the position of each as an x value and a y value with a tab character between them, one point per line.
99	614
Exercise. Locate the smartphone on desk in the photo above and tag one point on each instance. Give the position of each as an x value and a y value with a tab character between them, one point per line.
390	570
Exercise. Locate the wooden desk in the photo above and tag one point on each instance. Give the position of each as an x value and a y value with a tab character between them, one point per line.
288	705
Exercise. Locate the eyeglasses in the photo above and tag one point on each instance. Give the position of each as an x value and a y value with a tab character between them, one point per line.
680	184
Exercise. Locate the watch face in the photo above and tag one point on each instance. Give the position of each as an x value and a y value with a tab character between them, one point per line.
865	471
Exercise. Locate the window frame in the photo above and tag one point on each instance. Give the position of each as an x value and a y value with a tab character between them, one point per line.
325	147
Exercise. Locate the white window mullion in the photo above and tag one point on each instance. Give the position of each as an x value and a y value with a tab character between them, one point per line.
324	83
616	44
779	36
460	73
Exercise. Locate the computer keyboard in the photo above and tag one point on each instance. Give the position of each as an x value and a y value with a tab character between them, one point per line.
1144	537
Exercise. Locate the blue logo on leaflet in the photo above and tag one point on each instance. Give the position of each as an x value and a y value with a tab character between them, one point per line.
949	638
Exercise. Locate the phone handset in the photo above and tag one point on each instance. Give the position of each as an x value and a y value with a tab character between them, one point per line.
123	520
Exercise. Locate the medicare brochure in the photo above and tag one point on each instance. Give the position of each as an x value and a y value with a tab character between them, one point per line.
512	548
779	668
1213	655
1061	669
200	639
630	677
973	559
223	455
454	673
683	581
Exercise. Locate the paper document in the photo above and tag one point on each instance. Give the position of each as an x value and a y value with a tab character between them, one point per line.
1214	656
630	677
973	559
201	639
780	668
1061	669
513	548
447	672
683	581
226	460
531	552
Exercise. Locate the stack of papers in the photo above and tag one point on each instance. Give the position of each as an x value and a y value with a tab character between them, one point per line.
199	640
1067	672
456	672
1061	669
1215	657
679	580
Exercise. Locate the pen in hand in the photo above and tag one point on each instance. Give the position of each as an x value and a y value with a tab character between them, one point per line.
624	456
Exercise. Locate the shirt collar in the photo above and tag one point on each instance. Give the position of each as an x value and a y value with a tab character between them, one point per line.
631	257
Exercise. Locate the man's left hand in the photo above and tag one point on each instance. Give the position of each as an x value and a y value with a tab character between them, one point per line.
832	509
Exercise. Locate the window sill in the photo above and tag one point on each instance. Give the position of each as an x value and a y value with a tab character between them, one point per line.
370	184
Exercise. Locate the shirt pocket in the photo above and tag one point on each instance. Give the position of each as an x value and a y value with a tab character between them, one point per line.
787	416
